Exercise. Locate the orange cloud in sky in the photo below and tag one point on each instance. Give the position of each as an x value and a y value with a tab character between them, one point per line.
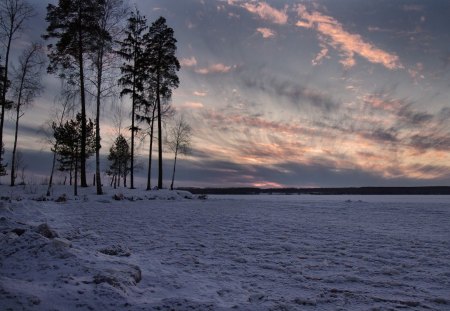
215	68
333	34
188	62
200	93
266	32
266	12
256	140
192	105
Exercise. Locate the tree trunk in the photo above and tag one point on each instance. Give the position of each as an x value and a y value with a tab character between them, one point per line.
160	160
150	151
13	162
83	105
97	123
50	181
5	82
75	187
174	165
133	107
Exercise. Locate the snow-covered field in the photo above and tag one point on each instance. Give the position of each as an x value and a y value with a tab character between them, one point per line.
163	250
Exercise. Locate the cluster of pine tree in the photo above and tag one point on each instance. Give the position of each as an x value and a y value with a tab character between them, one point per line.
84	34
90	44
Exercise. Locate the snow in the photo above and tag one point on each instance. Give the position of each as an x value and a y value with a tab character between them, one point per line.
168	250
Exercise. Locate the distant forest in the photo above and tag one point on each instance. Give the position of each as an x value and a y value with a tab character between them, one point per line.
326	191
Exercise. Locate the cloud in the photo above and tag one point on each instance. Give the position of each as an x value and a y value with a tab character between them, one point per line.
266	12
266	32
294	92
200	93
215	68
332	33
192	105
322	54
188	62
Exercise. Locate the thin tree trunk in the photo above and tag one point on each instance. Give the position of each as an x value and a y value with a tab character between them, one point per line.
83	105
133	107
50	182
150	152
97	123
5	80
160	160
13	162
174	165
75	187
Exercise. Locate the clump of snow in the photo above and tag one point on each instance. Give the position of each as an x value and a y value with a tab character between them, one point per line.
167	250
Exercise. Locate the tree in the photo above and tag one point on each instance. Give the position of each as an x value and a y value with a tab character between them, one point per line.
13	15
3	104
163	65
74	24
104	63
147	114
67	102
69	141
179	141
26	85
119	156
131	50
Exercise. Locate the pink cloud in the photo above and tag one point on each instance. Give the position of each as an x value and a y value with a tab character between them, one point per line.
215	68
192	105
266	12
322	54
266	32
188	62
200	94
332	33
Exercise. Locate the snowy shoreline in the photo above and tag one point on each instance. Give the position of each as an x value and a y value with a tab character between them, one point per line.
163	250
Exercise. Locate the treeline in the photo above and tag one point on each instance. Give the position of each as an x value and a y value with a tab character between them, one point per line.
437	190
100	50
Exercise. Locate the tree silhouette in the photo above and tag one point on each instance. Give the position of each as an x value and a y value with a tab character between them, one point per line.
3	103
104	64
74	24
119	156
179	141
163	66
131	50
26	85
69	142
13	15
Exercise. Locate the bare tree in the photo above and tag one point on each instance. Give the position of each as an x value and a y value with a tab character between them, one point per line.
179	141
13	15
26	85
104	61
67	103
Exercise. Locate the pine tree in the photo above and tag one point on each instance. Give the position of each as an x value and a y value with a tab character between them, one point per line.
74	24
119	156
131	50
163	65
69	141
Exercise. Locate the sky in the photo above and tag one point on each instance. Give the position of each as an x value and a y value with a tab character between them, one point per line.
318	93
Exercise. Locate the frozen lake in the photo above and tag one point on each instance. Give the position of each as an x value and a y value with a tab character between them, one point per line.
249	253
